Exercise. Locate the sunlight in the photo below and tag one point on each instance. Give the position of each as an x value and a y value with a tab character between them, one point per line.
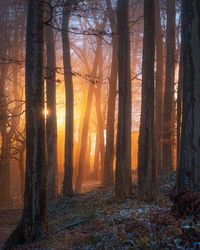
45	112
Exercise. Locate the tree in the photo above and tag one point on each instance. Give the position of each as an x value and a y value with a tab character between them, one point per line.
109	153
67	183
97	92
146	154
168	123
123	155
10	98
33	222
51	121
189	172
159	87
5	149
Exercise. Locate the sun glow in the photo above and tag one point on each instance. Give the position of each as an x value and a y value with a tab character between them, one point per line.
45	112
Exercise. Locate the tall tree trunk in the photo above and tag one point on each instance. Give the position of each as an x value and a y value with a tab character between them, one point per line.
33	222
68	174
123	156
189	173
146	154
4	167
168	123
158	88
99	113
110	138
51	120
78	147
100	127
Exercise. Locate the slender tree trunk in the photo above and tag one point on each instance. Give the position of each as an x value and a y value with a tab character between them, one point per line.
51	120
189	173
146	154
123	156
78	147
110	138
5	152
33	222
168	123
96	156
84	137
68	174
100	127
4	167
99	114
159	88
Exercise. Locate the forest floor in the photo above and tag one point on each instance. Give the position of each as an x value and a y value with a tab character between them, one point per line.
96	220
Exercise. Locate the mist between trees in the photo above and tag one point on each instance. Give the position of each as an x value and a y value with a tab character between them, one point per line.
95	93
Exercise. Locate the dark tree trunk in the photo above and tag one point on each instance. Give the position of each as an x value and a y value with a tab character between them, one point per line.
68	168
33	222
5	153
51	120
146	154
168	123
110	138
189	173
4	166
158	88
123	156
99	113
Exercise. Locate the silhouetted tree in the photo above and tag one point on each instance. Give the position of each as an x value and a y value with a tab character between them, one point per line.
189	173
68	168
110	137
159	86
168	122
123	155
146	154
51	120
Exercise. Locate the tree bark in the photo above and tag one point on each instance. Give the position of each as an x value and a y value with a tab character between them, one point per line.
146	154
68	167
189	173
51	120
110	138
99	114
158	88
123	156
4	164
168	122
